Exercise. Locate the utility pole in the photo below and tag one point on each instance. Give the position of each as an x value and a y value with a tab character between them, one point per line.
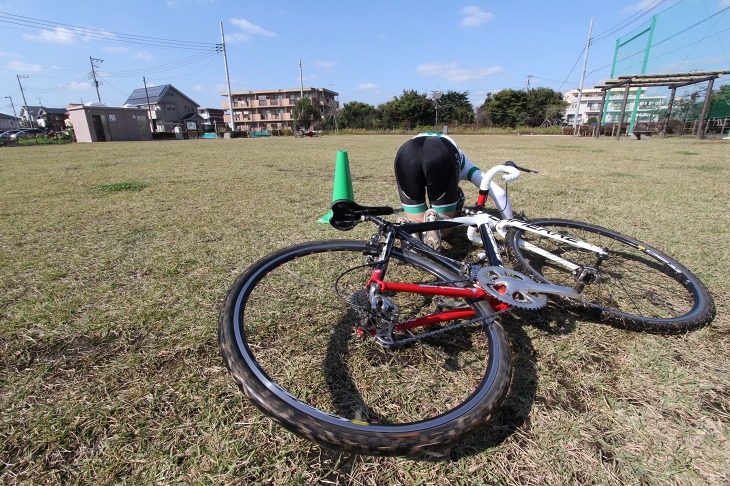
13	106
30	117
153	123
93	75
335	105
436	96
582	78
222	48
301	80
527	86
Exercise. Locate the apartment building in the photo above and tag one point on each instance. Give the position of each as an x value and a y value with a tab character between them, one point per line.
649	110
272	109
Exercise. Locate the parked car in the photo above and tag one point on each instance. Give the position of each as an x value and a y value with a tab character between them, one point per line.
7	133
28	133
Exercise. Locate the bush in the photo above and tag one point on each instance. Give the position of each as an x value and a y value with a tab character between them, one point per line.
163	136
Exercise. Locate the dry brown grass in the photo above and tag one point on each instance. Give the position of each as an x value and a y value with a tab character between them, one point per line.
109	298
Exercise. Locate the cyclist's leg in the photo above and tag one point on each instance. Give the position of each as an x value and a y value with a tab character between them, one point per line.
441	167
411	179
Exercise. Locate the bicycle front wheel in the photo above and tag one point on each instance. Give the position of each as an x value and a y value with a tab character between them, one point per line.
288	336
639	286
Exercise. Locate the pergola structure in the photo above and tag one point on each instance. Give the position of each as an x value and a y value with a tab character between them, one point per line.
671	80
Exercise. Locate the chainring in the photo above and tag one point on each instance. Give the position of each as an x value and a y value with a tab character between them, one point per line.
511	287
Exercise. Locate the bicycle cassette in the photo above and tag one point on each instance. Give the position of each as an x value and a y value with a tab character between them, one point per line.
511	287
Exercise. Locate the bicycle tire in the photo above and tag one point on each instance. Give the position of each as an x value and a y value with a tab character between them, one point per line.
639	287
343	390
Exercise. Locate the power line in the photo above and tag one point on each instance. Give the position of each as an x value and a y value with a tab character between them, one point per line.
572	69
632	19
32	24
163	67
692	26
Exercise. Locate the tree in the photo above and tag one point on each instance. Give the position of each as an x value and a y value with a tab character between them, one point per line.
455	108
687	108
482	112
544	105
414	109
508	108
356	114
304	113
387	115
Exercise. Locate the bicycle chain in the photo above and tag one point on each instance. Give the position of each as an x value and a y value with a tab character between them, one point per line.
363	311
425	335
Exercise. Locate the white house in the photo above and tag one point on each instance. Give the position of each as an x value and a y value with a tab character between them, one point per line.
649	110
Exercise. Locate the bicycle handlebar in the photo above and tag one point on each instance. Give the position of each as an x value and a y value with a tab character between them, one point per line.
510	174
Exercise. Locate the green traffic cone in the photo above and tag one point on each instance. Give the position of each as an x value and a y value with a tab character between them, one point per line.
343	183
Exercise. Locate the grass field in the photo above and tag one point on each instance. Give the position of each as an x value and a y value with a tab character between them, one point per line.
114	259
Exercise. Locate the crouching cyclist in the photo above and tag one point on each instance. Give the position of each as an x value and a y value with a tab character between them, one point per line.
432	164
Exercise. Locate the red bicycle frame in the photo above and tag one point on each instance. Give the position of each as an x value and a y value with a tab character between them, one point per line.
438	317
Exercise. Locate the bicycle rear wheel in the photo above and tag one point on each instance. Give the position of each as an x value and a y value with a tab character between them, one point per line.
639	286
289	339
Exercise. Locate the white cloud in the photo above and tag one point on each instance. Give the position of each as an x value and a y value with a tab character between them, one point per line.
367	86
473	16
327	65
24	67
249	30
724	3
60	35
453	72
144	56
199	87
63	35
79	86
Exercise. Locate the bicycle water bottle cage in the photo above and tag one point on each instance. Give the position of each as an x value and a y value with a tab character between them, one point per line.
347	214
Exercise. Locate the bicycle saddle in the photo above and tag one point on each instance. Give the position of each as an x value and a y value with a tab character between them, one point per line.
347	214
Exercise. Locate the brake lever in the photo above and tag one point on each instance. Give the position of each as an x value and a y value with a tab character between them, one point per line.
509	163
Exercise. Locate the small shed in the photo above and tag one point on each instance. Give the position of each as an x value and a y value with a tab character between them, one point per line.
95	122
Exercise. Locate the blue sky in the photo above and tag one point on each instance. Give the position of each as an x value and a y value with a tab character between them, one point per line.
366	51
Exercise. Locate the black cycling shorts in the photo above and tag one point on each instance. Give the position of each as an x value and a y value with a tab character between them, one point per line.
428	164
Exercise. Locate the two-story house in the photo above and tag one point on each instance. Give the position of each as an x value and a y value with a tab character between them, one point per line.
167	107
44	117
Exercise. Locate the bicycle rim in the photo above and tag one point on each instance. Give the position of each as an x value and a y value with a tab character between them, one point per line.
290	342
638	285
